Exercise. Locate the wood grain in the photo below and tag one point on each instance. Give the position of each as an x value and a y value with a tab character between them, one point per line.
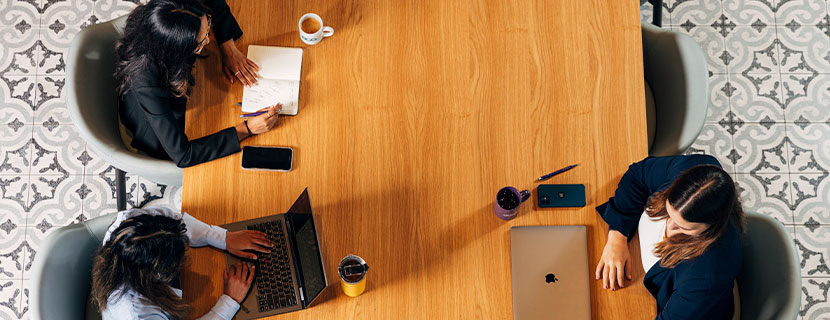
411	117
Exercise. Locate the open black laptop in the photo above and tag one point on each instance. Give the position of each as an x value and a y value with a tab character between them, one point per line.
293	274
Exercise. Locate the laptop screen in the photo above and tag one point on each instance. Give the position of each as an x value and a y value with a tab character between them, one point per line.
308	249
309	253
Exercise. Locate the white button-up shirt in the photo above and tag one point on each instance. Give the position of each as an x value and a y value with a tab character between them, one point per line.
131	305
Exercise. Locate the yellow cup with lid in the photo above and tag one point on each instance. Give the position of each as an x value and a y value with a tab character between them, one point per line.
352	271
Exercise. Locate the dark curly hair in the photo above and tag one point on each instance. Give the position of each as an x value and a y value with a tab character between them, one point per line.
143	254
161	34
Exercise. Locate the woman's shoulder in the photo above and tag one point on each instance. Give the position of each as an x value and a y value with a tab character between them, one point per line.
148	82
722	261
128	304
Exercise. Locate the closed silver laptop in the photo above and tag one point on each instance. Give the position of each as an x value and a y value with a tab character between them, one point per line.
550	272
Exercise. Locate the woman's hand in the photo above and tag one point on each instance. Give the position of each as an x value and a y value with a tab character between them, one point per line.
236	65
236	242
615	261
266	121
238	280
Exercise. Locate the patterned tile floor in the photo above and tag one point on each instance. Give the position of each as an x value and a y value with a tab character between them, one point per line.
768	123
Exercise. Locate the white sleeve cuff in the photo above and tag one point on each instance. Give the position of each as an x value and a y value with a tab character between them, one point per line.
216	237
201	234
226	307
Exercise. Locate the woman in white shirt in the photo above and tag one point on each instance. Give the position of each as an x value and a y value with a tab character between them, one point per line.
143	252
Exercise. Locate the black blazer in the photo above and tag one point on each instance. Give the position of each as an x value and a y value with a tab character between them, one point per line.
156	118
696	289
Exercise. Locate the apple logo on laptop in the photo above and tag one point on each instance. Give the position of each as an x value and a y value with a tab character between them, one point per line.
550	278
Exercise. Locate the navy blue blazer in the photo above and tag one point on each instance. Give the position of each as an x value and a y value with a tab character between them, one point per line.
695	289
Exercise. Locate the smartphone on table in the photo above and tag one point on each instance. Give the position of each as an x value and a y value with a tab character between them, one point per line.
267	158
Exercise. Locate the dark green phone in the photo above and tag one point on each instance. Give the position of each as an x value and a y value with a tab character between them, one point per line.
560	195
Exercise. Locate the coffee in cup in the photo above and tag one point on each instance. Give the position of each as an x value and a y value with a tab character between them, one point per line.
312	30
310	26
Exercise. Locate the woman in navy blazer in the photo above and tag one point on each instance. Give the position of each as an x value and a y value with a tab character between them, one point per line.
700	251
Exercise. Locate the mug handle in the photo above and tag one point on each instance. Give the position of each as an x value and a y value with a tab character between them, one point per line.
525	195
328	31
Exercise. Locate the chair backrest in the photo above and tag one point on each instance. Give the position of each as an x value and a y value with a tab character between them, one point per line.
675	67
92	101
770	278
61	274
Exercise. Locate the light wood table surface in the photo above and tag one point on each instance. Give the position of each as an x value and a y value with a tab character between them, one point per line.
411	117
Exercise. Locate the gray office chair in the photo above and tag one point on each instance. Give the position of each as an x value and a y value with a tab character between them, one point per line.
62	272
92	100
657	14
770	278
677	89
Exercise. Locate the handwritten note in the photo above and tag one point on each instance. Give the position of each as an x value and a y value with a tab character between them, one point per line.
269	92
279	82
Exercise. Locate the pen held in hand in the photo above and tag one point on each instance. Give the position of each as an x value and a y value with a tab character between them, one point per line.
248	115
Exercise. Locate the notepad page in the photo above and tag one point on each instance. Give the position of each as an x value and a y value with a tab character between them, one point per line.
279	79
268	92
277	62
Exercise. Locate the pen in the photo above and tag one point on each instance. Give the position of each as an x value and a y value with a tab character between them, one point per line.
248	115
547	176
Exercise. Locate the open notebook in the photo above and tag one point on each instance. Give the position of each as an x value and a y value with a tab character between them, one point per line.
279	72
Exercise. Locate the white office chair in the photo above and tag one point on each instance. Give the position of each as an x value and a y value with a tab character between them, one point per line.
62	271
92	100
770	278
677	90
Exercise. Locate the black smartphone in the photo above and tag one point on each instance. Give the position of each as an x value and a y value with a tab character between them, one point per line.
560	195
267	158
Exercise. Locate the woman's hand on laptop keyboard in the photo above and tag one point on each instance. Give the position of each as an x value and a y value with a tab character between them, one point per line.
238	280
615	261
242	243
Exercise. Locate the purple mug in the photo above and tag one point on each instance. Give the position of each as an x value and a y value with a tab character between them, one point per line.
508	200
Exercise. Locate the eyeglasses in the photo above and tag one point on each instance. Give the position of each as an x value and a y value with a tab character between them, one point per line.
207	34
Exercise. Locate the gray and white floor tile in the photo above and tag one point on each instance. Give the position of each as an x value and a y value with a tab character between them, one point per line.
711	42
757	97
11	299
750	12
55	200
761	148
813	106
715	140
699	12
11	253
100	197
68	12
106	10
15	148
804	12
814	303
766	193
720	90
17	12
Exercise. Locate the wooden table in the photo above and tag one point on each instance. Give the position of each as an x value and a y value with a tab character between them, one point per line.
412	116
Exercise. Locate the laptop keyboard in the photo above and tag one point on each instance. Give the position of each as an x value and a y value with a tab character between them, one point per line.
275	288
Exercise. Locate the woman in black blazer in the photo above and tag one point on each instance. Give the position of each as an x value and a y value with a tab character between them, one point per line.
161	42
699	254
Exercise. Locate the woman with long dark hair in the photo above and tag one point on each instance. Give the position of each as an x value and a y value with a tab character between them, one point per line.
161	43
135	272
689	219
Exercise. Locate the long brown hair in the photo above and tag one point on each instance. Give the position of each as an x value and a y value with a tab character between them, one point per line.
143	254
703	194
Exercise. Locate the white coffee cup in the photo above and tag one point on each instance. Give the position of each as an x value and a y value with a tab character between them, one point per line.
314	38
